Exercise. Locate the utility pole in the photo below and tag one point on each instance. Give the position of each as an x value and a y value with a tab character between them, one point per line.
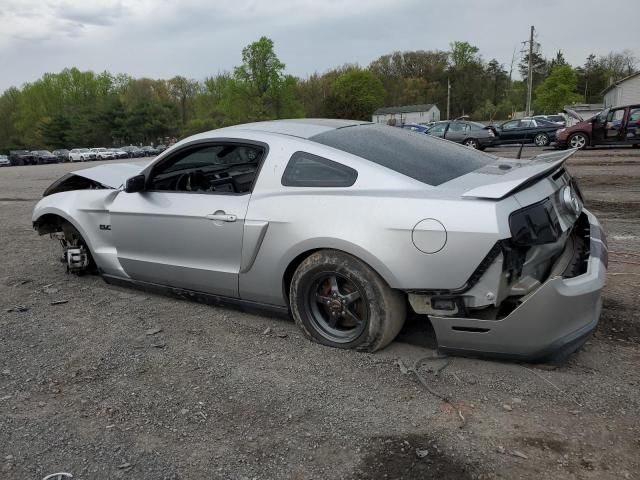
530	73
448	97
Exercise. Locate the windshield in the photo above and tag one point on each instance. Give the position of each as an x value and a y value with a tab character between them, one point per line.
424	158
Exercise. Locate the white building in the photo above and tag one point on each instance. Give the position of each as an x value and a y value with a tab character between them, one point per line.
623	92
408	114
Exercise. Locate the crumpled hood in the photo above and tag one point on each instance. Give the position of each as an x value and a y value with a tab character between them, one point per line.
573	114
114	175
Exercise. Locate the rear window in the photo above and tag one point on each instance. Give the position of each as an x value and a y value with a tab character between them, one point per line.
422	157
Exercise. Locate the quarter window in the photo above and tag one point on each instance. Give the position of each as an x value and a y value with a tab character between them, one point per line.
308	170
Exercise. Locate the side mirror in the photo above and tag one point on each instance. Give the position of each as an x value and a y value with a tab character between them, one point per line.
135	184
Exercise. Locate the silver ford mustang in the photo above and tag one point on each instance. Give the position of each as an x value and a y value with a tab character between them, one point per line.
347	225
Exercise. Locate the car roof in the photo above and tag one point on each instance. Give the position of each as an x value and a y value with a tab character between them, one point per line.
301	127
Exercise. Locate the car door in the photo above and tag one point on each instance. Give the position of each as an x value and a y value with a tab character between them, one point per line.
457	132
438	130
509	131
527	130
185	229
633	125
614	128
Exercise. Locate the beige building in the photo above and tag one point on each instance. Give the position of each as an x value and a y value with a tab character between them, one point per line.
424	113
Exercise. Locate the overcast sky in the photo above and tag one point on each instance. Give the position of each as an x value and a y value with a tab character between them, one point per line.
197	38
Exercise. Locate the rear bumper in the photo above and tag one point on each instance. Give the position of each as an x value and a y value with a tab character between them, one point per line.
556	318
487	141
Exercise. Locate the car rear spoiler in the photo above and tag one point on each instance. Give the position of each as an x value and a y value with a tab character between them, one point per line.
534	169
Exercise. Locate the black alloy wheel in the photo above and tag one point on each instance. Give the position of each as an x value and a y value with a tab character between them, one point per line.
336	308
339	301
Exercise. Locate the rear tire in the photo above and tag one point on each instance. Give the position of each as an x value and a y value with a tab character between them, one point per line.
472	143
541	140
339	301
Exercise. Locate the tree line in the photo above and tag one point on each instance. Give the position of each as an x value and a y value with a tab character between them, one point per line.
76	108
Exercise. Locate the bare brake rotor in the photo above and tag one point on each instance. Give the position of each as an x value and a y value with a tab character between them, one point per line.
74	252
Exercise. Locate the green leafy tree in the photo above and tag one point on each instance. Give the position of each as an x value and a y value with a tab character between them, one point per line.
540	69
356	94
208	105
557	90
557	61
183	91
498	81
10	137
260	90
462	54
413	76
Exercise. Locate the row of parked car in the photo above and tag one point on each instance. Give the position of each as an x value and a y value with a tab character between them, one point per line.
615	126
540	130
40	157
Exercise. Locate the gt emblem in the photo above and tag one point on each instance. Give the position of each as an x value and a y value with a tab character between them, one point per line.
105	227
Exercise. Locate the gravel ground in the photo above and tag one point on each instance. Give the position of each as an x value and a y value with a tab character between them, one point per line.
116	383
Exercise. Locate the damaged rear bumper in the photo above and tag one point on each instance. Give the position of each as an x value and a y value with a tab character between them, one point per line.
554	319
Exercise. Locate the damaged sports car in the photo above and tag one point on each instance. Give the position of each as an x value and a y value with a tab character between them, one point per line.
348	226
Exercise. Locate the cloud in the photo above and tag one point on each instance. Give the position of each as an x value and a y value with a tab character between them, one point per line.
196	38
91	13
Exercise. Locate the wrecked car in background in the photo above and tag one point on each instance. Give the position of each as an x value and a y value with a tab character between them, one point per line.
612	126
347	225
470	134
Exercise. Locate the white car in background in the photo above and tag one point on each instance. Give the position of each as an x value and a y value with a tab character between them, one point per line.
103	154
81	155
4	161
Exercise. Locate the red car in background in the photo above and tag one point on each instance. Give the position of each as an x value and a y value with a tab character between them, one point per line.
612	126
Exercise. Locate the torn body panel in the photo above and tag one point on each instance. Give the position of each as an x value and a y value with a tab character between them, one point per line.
86	211
534	329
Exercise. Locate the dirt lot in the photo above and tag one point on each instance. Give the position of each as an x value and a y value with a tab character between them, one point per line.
116	383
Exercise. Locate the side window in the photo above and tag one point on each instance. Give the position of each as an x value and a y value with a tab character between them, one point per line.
527	123
456	127
308	170
439	128
212	168
511	125
633	125
615	115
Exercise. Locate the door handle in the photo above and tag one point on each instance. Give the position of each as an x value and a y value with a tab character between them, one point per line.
222	217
